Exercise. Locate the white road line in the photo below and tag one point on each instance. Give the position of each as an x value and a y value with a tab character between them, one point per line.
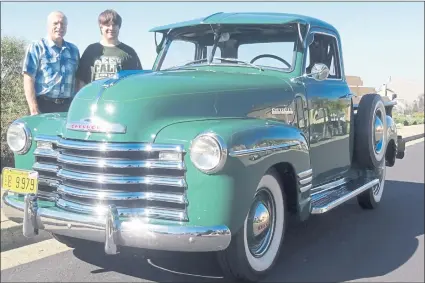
30	253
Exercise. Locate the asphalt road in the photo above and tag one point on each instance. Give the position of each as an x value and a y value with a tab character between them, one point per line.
347	244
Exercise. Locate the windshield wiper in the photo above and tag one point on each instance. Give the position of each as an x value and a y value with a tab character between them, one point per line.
239	61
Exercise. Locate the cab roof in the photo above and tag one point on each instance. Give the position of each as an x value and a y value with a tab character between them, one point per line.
247	18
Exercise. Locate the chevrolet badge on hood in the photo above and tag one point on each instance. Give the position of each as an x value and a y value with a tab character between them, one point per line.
96	125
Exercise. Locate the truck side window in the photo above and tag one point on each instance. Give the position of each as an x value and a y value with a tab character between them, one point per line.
179	53
324	49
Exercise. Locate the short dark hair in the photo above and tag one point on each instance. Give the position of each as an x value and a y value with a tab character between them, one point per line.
110	16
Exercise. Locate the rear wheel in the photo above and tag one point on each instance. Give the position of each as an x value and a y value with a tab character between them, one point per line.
371	146
255	248
370	133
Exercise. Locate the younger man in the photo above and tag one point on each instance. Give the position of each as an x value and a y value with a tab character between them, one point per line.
105	58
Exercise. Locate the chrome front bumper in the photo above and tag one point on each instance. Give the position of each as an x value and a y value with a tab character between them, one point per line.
112	231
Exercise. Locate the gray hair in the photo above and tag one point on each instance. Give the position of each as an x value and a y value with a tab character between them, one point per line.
56	13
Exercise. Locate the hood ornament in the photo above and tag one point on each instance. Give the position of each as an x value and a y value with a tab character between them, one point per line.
96	125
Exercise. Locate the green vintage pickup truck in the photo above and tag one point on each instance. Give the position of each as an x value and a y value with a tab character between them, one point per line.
244	119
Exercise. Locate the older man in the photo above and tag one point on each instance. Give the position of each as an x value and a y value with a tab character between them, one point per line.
105	58
49	69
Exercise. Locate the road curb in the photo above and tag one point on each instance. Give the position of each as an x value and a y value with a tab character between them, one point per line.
414	137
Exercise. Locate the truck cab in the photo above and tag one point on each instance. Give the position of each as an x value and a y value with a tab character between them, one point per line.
211	150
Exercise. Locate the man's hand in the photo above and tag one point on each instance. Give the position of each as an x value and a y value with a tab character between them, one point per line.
34	110
30	94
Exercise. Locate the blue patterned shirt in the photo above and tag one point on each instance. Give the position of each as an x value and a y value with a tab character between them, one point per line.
53	68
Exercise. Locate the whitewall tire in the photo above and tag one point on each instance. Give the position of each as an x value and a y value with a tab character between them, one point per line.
255	248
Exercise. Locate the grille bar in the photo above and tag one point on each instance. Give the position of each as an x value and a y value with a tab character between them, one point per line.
48	182
121	180
45	167
52	139
104	146
47	195
44	152
121	195
118	163
124	212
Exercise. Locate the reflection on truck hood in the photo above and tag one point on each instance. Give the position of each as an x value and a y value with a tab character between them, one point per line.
144	103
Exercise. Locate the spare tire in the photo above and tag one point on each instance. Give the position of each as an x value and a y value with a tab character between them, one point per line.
370	132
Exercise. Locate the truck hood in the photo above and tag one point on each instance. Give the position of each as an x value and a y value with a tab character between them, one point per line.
139	104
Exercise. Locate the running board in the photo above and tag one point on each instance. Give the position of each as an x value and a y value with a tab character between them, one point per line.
324	201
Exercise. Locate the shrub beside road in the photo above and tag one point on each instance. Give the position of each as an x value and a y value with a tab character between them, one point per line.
13	102
409	120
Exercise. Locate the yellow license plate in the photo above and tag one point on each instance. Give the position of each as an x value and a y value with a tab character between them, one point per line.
19	181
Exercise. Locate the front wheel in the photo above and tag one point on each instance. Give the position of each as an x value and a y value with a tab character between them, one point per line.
255	248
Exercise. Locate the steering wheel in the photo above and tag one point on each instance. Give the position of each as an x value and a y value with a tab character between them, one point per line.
271	56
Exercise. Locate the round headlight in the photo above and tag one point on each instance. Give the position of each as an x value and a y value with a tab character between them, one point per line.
208	152
18	138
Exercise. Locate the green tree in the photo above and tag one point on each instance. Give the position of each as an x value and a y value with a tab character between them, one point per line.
13	102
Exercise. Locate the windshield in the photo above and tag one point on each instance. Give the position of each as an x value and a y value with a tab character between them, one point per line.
251	46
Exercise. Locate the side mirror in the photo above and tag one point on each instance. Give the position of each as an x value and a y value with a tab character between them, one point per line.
319	72
394	96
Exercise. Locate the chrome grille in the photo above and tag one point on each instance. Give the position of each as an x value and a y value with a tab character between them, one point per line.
87	176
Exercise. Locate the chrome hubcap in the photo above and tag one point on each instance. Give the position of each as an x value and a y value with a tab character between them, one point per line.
378	137
261	223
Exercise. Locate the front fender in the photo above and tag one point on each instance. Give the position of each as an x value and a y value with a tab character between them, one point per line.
253	146
44	124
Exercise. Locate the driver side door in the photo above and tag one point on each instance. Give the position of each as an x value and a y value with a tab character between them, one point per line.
329	104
